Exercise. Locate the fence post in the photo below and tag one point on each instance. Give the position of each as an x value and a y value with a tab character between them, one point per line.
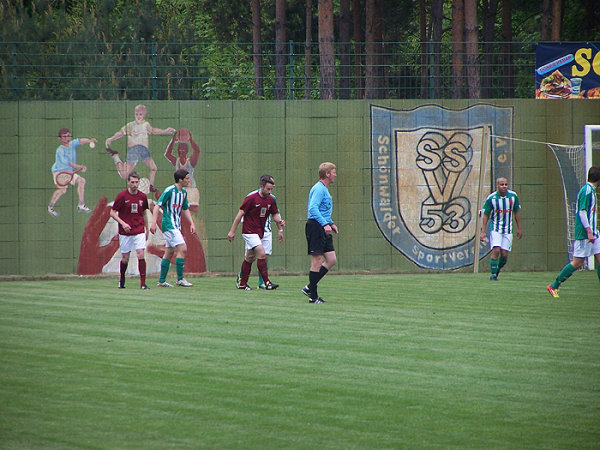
291	68
154	76
15	82
430	70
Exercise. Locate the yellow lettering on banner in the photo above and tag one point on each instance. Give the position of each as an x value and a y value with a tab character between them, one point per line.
581	57
596	63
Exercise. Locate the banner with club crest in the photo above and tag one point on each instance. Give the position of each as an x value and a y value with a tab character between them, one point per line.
426	165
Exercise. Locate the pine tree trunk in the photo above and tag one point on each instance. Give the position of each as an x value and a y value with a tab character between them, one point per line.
307	48
507	58
326	49
458	48
358	38
344	45
257	49
280	50
471	50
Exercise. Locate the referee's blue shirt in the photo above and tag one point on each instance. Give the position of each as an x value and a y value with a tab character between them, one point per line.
320	204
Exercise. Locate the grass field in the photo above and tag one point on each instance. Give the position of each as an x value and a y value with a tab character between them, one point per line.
390	361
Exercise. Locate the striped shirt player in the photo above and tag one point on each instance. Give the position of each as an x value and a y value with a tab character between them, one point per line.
499	210
174	204
586	235
172	201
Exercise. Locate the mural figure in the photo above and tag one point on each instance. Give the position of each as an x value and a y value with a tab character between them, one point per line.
137	145
65	170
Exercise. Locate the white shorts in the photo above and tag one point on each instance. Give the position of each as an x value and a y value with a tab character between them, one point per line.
267	243
134	242
173	238
252	241
582	248
504	241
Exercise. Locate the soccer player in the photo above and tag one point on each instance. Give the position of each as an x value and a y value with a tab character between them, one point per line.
319	229
256	209
174	204
267	243
128	210
587	242
66	160
499	208
137	145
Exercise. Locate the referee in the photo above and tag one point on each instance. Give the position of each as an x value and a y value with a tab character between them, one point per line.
319	229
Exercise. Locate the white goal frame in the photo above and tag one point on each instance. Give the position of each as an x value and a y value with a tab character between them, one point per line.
587	148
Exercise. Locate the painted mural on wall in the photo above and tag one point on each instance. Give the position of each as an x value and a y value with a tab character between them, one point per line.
99	251
426	165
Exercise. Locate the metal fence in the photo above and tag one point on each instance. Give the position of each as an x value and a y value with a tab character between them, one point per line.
214	71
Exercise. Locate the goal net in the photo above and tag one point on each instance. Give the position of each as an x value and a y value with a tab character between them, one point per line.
571	163
574	162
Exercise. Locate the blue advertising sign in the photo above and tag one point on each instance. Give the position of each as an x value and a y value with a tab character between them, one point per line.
567	70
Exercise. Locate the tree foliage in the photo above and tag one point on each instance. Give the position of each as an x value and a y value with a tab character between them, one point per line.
210	35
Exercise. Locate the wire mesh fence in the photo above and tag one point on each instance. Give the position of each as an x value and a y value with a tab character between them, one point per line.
215	71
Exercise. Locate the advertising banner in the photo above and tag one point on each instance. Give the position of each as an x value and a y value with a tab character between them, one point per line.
567	70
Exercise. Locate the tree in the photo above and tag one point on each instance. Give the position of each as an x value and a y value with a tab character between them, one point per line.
490	10
545	31
424	49
358	38
345	25
437	16
280	50
307	47
257	56
507	59
374	69
471	50
326	49
557	10
458	48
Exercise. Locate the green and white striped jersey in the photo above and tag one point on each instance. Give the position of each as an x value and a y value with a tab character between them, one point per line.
173	202
501	210
586	201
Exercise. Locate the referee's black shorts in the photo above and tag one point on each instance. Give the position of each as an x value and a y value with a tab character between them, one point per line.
318	241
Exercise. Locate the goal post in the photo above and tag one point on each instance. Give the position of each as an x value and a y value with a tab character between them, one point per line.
481	192
574	162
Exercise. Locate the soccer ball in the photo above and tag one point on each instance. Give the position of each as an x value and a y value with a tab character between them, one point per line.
144	185
183	135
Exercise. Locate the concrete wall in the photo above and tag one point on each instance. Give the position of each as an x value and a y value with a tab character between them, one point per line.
240	141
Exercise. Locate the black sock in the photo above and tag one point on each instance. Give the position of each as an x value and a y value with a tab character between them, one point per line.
322	272
313	279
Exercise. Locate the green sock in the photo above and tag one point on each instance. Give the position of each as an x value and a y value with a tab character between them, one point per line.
180	262
598	270
564	274
164	268
494	266
501	263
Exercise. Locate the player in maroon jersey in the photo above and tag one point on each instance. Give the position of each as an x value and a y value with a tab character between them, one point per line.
255	210
129	211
